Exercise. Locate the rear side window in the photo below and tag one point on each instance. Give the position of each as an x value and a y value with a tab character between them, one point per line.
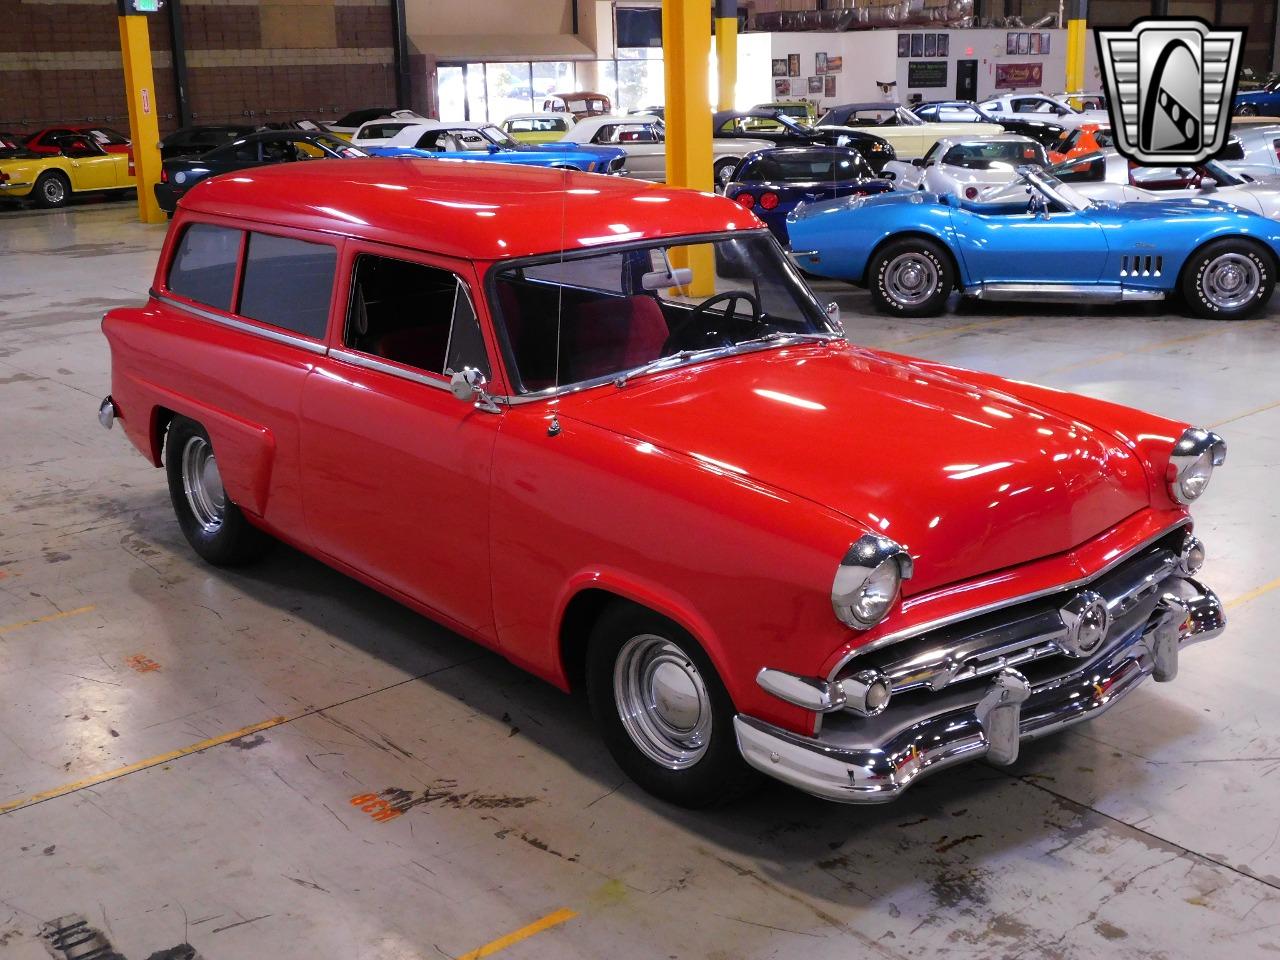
288	283
415	315
204	268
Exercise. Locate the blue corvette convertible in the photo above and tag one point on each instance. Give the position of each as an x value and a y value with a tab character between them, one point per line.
484	141
1254	103
912	249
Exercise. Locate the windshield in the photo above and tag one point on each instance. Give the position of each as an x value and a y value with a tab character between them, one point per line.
995	155
498	137
1220	173
614	311
1058	193
808	167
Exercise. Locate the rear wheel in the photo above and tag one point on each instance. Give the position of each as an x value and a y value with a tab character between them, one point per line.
213	525
52	189
911	277
723	171
662	710
1228	280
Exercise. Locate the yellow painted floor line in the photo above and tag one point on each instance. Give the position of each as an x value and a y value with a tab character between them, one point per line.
141	765
942	332
1121	355
1253	594
49	619
1248	413
524	933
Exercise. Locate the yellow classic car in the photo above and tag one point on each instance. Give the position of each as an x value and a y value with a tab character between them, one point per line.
80	166
801	111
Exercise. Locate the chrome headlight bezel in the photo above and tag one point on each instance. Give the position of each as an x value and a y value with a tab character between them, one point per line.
869	560
1197	453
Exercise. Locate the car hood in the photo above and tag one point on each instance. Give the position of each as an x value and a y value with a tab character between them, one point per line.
969	480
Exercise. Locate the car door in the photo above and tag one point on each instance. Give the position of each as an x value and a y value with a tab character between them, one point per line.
1058	247
91	167
396	469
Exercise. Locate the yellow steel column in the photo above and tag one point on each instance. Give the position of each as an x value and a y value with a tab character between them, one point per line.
1076	45
686	50
726	54
144	130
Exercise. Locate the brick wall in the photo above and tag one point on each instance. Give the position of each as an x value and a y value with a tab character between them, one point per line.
252	61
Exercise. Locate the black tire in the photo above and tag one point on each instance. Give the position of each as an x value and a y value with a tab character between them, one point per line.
232	540
52	190
1247	110
719	775
885	278
722	171
1204	283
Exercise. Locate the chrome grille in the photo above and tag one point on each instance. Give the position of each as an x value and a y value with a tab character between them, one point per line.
1021	635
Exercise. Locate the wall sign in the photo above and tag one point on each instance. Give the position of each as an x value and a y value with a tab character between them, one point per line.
1011	76
927	73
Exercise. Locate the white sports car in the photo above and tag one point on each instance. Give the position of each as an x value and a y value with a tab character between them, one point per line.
1108	176
966	166
643	137
1042	106
909	135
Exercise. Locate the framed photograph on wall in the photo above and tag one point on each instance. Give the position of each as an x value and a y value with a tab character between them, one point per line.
815	85
930	44
829	86
904	44
820	63
780	67
1044	42
917	44
781	85
1024	43
1035	44
793	64
835	64
1010	43
944	44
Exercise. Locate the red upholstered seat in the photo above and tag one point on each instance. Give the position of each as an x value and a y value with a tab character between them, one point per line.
607	336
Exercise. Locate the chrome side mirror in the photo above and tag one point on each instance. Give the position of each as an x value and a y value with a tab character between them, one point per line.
468	386
833	314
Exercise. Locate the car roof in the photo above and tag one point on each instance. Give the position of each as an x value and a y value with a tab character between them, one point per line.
877	105
461	208
962	140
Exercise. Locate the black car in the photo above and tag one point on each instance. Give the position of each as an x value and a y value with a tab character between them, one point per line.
180	174
1043	132
201	138
781	130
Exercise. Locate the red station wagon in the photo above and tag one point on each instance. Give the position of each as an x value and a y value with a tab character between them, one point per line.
605	429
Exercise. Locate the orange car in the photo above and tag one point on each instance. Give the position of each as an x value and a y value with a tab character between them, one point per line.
1087	138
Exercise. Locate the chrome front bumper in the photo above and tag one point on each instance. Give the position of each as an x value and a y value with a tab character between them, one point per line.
875	760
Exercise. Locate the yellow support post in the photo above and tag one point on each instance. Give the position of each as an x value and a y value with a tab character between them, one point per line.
686	49
144	128
726	54
1076	48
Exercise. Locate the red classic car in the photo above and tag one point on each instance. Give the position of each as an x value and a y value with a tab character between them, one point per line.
605	429
46	140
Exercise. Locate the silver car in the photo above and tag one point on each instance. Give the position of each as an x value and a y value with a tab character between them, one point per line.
1253	150
966	166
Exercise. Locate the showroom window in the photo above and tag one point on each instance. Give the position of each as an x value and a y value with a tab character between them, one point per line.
288	283
415	315
204	268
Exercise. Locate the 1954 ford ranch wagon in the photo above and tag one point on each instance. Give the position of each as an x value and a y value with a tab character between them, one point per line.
605	429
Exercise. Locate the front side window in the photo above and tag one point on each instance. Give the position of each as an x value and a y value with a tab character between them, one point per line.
288	283
204	267
414	315
614	311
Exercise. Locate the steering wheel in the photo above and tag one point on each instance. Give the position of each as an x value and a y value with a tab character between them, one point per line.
710	338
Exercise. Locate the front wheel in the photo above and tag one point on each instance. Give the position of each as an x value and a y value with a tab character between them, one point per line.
1228	280
1247	110
662	710
53	189
911	278
214	526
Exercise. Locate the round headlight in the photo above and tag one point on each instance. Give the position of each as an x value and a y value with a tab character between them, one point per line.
868	581
1192	462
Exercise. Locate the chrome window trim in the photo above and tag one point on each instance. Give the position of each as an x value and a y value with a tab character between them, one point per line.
381	366
907	632
267	333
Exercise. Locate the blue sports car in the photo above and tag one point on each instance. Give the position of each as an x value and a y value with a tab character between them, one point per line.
483	141
770	183
912	249
1255	103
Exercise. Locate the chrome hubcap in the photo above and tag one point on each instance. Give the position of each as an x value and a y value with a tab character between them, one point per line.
53	190
662	701
724	173
1231	281
202	483
910	279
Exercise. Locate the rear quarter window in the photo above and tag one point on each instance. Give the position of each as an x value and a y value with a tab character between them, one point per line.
288	283
204	267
